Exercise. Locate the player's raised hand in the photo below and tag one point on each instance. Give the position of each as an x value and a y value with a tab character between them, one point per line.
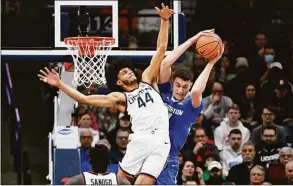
52	78
165	13
202	33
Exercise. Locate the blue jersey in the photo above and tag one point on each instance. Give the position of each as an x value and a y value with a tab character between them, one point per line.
182	115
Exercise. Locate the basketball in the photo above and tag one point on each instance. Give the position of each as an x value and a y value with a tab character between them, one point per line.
208	45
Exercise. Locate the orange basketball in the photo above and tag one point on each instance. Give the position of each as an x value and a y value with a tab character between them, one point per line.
207	46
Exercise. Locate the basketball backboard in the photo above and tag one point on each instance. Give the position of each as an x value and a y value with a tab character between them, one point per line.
36	31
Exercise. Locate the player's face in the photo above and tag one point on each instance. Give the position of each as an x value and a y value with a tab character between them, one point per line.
180	88
126	77
248	153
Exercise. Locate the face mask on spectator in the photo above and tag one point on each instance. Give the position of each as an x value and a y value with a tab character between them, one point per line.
269	58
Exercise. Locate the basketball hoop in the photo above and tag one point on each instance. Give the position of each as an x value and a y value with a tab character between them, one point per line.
89	56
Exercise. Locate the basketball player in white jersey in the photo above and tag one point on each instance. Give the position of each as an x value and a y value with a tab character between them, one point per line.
148	149
99	159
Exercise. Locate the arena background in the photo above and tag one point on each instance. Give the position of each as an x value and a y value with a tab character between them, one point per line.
27	104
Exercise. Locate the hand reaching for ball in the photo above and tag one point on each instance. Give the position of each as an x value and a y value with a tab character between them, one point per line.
202	33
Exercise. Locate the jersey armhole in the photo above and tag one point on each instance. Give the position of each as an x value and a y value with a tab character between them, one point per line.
83	180
126	103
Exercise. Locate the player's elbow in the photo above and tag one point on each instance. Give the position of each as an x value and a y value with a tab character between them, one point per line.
84	100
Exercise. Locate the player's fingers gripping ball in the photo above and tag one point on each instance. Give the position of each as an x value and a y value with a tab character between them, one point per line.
208	45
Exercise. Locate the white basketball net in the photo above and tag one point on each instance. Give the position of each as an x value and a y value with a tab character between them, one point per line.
89	57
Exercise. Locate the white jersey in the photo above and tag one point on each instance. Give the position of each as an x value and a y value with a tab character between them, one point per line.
99	179
146	109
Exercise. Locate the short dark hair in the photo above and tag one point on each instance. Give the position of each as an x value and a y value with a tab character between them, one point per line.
100	158
113	70
235	131
269	127
183	72
270	108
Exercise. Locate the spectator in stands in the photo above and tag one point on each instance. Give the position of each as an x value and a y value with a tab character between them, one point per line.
235	87
208	159
257	175
85	113
187	173
289	172
216	105
256	54
267	87
268	60
86	139
268	116
181	159
201	122
268	149
108	118
122	123
283	102
119	149
249	107
232	121
276	173
200	148
239	174
225	73
86	121
198	64
210	83
215	174
231	156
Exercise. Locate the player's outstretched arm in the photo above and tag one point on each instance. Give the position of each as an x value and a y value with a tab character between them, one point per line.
110	100
169	60
200	84
150	74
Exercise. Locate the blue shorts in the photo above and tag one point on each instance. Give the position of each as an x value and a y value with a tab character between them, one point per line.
169	175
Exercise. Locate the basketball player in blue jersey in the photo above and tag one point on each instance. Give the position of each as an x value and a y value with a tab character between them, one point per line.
149	147
183	106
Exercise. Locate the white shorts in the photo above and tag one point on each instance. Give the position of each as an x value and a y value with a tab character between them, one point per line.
146	153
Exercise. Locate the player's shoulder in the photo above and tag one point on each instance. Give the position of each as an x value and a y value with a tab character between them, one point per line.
76	180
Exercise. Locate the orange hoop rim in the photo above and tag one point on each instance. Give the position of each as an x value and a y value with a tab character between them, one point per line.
82	41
